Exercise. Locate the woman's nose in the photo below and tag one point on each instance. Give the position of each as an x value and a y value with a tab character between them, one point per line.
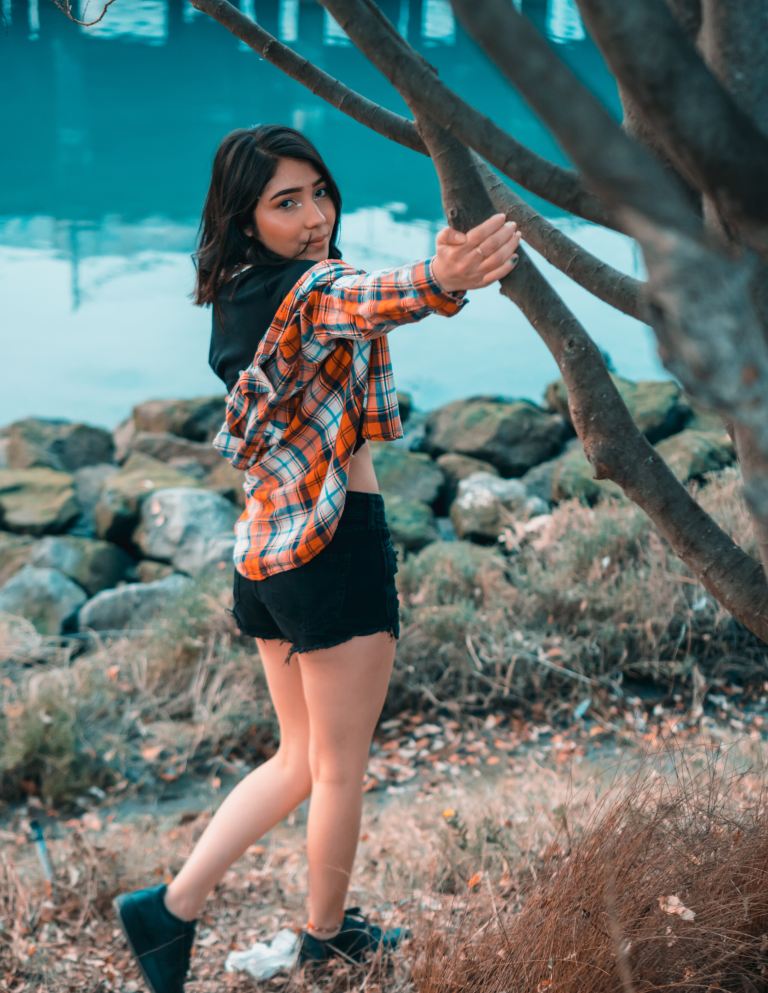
315	215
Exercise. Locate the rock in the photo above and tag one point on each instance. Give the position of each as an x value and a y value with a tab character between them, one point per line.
189	528
411	522
117	511
171	448
89	482
512	435
456	467
484	504
37	501
411	475
56	443
227	482
690	453
45	597
196	418
657	407
94	565
572	478
538	480
147	571
132	605
405	405
15	550
702	419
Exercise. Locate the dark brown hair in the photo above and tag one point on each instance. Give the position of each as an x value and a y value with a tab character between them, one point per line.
244	163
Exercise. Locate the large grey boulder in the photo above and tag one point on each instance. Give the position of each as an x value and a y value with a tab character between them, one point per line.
117	510
411	475
37	501
133	605
512	435
485	504
56	443
190	528
658	407
45	597
95	565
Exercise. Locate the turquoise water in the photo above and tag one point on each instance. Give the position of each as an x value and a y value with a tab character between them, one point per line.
108	140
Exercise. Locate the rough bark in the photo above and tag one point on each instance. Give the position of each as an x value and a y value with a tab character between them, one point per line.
711	139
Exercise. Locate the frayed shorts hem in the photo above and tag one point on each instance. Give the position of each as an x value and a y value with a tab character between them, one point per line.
332	643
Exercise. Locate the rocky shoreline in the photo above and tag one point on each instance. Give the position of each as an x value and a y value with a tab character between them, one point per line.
101	530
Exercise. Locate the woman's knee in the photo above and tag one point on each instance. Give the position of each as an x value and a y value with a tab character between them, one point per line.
295	765
340	765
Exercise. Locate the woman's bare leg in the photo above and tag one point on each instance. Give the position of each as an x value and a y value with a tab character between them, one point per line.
260	800
344	688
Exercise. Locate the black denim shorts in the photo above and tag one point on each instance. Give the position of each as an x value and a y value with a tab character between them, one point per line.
347	589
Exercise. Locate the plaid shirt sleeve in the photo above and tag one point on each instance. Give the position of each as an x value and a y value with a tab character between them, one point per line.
368	305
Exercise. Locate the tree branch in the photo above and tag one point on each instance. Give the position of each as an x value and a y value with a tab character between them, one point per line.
705	133
594	275
623	173
612	442
706	306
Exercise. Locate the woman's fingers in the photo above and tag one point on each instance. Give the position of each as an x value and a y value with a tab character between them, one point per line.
499	272
500	241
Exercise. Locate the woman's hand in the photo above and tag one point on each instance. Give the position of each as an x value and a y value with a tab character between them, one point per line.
475	258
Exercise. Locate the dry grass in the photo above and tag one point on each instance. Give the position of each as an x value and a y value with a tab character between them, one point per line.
545	879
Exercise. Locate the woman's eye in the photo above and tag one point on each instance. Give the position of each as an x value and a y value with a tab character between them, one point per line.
320	189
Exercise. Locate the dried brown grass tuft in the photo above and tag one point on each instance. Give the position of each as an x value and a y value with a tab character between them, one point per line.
665	887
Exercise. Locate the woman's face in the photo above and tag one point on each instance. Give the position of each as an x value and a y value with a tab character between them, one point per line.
295	215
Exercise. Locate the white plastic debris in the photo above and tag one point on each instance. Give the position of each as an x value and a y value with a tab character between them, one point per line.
262	961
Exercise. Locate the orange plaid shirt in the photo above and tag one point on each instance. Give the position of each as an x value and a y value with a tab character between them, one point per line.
292	416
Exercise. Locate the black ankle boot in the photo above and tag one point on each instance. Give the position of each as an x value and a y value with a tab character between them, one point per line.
354	941
160	941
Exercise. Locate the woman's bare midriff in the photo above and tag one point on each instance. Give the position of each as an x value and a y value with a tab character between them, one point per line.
361	474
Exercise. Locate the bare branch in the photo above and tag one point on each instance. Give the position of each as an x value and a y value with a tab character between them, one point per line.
612	442
706	305
620	170
419	80
708	137
605	282
65	6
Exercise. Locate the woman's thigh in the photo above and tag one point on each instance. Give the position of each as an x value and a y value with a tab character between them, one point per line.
345	687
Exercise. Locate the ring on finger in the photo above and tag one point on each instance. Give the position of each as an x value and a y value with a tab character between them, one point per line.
479	253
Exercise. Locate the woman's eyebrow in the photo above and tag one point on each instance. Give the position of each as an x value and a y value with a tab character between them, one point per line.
296	189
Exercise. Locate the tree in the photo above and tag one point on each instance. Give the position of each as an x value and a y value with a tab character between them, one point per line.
684	174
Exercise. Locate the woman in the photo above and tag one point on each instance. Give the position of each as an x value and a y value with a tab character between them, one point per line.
300	340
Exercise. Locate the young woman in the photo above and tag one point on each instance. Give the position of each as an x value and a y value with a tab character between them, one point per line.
299	338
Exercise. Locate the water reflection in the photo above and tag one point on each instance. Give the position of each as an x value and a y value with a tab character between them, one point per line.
110	139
